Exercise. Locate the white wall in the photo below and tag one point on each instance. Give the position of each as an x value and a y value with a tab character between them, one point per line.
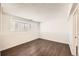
9	38
55	30
78	29
0	17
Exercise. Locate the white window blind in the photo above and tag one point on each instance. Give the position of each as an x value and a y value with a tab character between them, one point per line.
22	26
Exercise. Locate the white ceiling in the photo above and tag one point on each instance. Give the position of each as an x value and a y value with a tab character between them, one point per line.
39	11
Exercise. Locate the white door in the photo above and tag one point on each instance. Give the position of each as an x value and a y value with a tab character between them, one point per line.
74	34
76	30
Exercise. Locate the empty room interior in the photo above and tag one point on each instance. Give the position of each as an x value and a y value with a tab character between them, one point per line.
39	29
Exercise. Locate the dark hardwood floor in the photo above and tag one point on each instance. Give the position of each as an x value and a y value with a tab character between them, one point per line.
0	53
39	47
76	50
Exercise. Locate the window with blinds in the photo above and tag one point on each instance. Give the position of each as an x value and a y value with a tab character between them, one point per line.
22	26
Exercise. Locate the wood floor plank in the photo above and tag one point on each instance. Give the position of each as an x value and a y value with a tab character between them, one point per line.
0	53
39	47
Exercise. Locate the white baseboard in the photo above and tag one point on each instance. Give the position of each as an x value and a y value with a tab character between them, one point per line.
62	38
